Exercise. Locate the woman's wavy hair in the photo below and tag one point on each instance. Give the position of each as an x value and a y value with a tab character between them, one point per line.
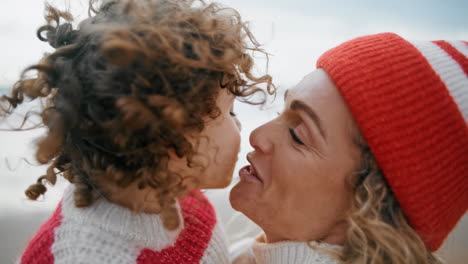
379	232
128	86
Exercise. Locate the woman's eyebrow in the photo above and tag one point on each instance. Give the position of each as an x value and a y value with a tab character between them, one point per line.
301	106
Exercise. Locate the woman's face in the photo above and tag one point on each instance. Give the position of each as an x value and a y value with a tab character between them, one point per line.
297	184
217	146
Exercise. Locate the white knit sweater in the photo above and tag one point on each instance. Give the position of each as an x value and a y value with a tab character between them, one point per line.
107	233
250	251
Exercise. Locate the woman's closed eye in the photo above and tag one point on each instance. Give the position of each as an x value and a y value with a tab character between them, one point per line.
292	119
232	113
295	137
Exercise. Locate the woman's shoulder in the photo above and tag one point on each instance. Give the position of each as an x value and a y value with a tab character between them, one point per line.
293	252
241	252
250	251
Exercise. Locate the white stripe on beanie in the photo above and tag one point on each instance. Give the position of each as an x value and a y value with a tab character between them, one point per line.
460	46
450	72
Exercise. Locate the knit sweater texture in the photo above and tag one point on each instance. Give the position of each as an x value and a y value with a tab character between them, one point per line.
108	233
252	251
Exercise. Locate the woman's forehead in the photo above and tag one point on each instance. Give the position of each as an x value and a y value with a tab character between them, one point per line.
315	87
319	92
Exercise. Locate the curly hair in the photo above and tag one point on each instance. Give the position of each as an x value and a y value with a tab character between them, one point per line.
379	232
129	85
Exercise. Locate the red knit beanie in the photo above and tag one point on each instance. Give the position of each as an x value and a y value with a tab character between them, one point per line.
410	101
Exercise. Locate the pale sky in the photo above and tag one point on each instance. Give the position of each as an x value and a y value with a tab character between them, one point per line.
296	32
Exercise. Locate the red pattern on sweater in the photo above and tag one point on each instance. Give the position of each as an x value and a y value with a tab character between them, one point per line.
199	221
38	249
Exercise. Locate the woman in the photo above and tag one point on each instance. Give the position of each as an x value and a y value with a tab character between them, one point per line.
368	163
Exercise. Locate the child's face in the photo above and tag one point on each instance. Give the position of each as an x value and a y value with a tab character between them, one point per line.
218	147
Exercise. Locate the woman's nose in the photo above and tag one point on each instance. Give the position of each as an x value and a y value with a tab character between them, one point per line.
261	138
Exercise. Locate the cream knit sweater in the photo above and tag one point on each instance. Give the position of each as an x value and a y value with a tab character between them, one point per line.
107	233
251	251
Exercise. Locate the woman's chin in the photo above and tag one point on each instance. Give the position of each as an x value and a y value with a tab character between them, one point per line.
242	195
235	199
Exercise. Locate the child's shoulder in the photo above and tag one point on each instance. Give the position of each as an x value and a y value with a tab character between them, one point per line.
197	200
39	247
197	211
100	233
201	235
105	232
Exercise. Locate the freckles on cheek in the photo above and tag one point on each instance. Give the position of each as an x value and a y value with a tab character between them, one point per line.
298	185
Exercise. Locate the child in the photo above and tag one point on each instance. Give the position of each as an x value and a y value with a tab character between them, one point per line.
139	110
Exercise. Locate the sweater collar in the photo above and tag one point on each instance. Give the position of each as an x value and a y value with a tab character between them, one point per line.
293	252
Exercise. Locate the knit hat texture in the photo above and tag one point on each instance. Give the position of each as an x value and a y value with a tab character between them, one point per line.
410	101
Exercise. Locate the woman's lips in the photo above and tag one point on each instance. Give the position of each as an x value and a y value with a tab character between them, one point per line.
248	173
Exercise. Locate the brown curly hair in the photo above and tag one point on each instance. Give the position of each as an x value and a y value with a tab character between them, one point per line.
379	232
128	85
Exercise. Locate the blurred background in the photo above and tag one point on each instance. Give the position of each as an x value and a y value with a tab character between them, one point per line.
294	32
